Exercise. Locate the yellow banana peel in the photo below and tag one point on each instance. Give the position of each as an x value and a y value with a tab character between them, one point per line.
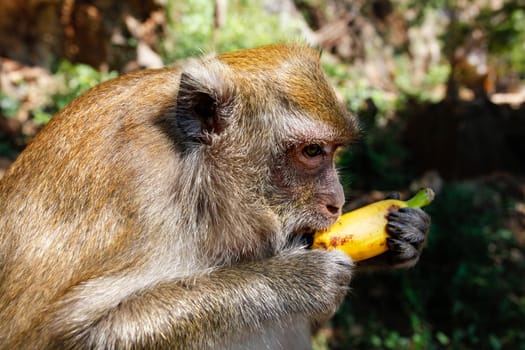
362	233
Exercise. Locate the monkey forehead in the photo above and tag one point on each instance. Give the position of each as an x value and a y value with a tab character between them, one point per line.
316	99
304	129
292	75
307	91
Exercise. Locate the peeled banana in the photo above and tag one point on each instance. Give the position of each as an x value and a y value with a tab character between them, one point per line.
362	233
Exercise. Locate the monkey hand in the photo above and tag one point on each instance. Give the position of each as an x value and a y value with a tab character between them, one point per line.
408	229
324	281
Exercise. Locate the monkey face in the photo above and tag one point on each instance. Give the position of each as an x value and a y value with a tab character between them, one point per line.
307	192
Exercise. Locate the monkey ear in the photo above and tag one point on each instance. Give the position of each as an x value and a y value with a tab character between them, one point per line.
200	110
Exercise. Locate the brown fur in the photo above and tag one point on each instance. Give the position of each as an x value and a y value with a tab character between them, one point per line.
156	210
159	210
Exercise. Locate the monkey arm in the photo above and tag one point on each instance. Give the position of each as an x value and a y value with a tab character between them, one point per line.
205	310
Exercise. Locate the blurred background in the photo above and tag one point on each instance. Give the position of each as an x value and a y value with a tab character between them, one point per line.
439	88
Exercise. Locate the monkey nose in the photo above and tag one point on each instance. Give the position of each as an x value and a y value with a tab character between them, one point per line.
330	213
333	202
331	208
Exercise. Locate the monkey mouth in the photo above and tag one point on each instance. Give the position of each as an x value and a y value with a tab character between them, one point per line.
304	230
305	238
311	228
303	235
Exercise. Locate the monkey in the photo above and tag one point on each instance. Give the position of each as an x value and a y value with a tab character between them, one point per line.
161	210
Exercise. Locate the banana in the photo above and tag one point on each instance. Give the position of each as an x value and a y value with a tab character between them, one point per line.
362	233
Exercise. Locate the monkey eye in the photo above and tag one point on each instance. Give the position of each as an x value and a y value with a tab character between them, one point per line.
313	150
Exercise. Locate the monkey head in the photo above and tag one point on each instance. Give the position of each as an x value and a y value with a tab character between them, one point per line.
270	111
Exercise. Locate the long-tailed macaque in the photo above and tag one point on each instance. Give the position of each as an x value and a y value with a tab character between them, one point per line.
159	210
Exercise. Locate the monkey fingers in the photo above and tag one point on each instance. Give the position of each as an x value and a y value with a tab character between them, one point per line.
408	224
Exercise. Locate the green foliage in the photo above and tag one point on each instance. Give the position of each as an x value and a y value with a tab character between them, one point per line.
6	149
376	160
191	28
76	79
484	299
506	34
8	106
379	154
403	78
263	29
357	91
467	292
